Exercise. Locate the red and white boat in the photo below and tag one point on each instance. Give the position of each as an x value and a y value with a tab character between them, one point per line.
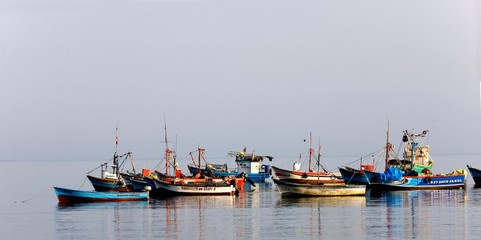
310	175
178	184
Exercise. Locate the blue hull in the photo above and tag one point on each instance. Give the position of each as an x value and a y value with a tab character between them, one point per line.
65	195
102	185
423	183
476	174
353	176
138	184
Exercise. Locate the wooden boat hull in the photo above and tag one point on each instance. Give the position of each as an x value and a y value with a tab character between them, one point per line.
173	189
306	177
436	182
476	175
353	176
66	195
325	190
107	184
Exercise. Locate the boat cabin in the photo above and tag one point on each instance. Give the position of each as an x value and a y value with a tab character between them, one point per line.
250	163
104	171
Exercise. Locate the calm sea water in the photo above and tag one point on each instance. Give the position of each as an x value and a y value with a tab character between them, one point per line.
29	210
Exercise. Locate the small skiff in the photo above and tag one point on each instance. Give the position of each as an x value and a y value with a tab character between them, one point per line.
66	195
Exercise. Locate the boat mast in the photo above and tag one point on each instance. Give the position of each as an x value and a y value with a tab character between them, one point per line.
201	152
412	150
167	150
129	155
116	156
311	150
388	147
318	164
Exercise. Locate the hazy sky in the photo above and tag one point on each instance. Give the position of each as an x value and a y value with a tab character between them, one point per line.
229	74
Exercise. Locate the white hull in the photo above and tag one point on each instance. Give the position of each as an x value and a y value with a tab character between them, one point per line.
195	189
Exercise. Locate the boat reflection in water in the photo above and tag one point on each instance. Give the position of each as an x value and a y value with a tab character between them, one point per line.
322	217
330	202
71	219
396	210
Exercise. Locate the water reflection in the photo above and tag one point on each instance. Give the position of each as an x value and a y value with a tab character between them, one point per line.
213	216
354	201
264	214
416	214
112	218
419	198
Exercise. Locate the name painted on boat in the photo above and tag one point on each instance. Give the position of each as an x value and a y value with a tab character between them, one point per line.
446	181
199	188
128	195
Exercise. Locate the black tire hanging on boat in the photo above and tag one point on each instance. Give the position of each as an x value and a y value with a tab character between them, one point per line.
428	180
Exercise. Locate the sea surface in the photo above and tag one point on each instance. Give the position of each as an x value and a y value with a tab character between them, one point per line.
29	210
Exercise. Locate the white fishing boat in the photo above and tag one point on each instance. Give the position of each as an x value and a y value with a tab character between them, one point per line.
207	187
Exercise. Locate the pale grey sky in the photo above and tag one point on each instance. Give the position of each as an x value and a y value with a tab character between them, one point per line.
229	74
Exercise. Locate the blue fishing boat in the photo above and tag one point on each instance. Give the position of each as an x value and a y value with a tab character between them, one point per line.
138	183
66	195
409	174
110	178
353	176
455	180
476	174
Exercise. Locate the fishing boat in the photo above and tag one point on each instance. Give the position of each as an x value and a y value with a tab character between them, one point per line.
409	174
319	190
207	169
310	175
250	164
476	174
110	178
354	176
139	182
66	195
178	184
454	180
207	187
167	185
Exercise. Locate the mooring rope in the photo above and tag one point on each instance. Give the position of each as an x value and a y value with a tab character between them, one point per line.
32	198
